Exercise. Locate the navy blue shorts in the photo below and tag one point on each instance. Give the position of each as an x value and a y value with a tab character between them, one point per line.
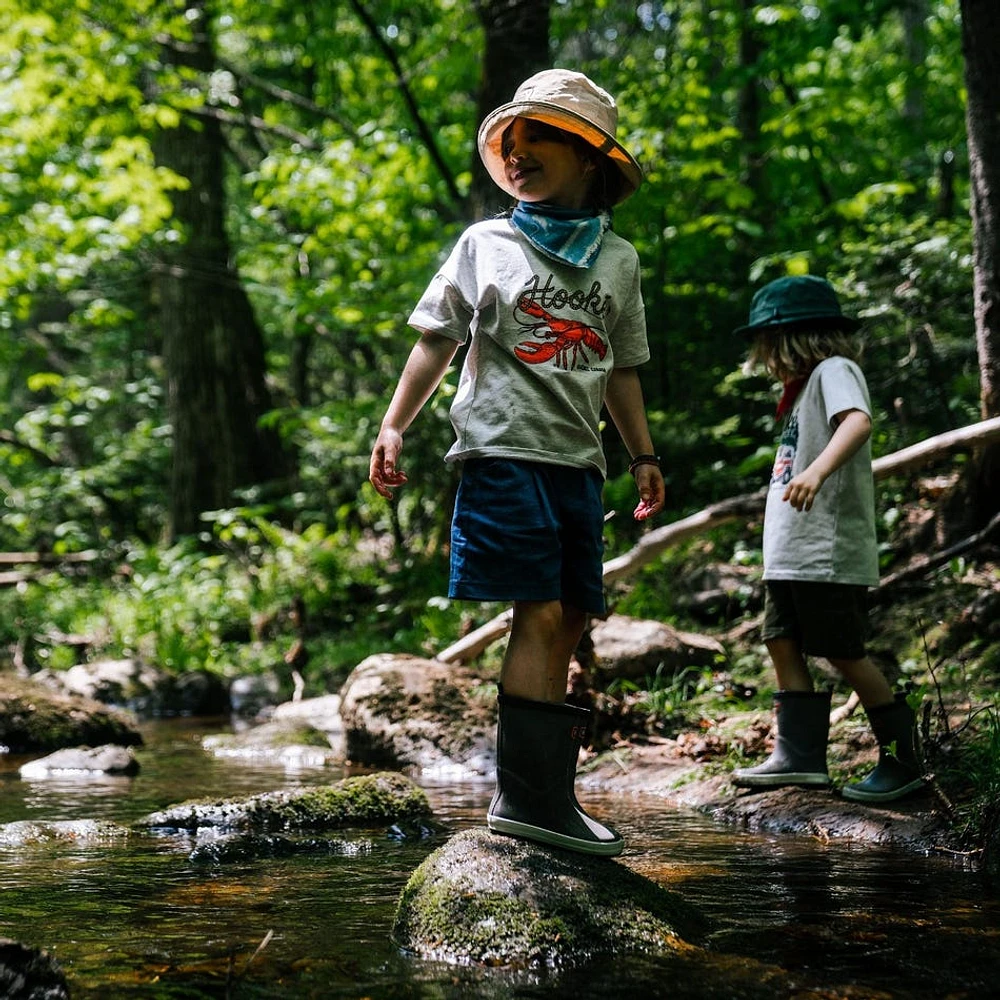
826	619
527	531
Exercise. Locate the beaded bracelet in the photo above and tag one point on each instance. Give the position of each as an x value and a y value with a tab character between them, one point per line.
643	460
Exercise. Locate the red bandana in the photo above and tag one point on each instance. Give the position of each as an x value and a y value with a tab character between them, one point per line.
792	389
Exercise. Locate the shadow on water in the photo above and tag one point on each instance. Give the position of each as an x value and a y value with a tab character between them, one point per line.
142	919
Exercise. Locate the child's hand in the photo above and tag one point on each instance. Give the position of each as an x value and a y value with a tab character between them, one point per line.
652	492
382	472
801	491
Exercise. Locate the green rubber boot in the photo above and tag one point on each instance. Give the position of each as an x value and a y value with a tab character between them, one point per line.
538	743
898	771
802	719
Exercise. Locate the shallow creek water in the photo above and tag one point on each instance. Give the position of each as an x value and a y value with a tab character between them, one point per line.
793	917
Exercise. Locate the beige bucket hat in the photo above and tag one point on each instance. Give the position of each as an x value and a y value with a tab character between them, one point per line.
569	101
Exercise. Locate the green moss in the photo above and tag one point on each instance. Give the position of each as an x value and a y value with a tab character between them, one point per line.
35	719
365	800
494	900
357	801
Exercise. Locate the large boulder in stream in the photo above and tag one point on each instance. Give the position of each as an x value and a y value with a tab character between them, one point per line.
425	716
142	688
493	900
34	719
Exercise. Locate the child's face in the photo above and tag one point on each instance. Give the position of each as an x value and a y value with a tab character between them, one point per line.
543	166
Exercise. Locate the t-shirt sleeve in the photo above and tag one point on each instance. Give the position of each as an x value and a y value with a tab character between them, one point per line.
844	388
629	335
442	309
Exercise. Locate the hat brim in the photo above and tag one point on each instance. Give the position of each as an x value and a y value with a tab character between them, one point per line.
495	123
848	324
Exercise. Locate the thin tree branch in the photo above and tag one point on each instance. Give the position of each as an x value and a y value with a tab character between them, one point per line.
288	96
422	128
254	122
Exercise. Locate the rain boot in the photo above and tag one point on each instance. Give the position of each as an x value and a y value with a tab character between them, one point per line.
802	719
538	743
898	771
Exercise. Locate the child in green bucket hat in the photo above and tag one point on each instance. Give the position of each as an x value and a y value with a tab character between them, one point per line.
820	554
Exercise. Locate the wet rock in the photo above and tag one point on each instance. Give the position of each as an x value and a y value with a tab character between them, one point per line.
141	688
668	770
422	715
239	847
362	801
635	648
289	741
254	695
77	831
29	973
488	899
36	719
82	761
322	713
909	822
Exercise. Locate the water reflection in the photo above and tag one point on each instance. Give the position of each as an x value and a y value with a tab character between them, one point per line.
142	918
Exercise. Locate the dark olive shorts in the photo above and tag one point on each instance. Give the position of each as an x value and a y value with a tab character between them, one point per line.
528	531
827	619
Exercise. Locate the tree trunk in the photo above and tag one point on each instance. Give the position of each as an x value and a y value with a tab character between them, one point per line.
516	47
748	114
213	347
980	31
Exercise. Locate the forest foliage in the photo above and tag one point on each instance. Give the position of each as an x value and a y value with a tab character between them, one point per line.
786	137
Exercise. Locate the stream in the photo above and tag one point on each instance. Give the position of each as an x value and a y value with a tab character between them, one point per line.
141	919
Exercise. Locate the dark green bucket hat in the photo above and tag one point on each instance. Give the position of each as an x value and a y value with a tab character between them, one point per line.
797	302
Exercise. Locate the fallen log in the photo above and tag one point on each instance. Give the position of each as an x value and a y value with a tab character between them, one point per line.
654	542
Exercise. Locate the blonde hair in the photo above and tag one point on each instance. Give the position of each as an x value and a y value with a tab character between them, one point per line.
793	353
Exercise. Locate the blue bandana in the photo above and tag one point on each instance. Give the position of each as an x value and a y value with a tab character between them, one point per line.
569	235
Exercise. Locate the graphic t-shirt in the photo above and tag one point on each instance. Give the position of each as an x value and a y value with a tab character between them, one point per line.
544	340
835	540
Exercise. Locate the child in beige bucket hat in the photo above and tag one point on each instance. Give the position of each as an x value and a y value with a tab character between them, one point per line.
548	298
569	101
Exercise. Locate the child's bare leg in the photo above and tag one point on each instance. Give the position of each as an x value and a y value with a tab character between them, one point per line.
865	678
543	635
790	667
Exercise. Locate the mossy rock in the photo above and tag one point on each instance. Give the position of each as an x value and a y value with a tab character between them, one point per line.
360	801
493	900
291	741
34	719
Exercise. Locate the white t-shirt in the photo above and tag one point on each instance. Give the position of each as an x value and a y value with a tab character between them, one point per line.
834	542
545	337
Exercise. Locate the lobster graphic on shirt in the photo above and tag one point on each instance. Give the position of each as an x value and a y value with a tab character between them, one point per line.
566	340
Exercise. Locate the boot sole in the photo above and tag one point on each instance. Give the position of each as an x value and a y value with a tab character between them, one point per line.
795	778
539	834
855	795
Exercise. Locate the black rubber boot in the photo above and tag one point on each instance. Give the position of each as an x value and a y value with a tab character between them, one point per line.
898	771
802	719
538	743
